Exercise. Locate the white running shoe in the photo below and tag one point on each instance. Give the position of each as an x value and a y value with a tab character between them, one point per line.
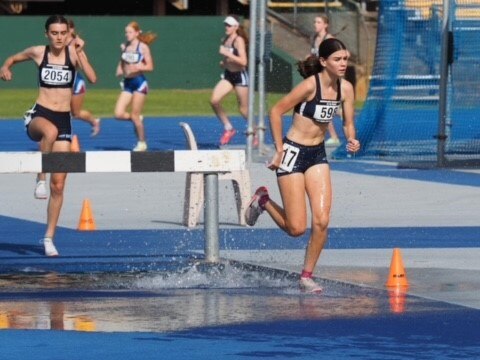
40	190
28	116
141	146
254	208
95	128
50	249
310	286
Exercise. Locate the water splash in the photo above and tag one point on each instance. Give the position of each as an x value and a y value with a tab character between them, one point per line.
213	276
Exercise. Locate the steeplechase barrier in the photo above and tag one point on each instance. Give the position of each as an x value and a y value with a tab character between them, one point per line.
209	162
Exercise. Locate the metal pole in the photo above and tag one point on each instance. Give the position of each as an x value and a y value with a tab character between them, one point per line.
261	76
251	87
295	14
444	70
211	217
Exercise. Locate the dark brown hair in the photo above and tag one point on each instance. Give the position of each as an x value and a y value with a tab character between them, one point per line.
329	46
311	65
71	25
55	19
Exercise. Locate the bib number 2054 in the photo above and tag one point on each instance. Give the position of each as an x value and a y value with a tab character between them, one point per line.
56	76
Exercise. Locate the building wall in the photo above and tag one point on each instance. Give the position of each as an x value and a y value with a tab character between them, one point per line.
185	52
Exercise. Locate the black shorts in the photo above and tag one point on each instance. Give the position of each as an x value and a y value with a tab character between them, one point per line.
299	158
61	120
237	78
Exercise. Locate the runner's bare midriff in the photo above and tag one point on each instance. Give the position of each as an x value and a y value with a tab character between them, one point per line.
55	99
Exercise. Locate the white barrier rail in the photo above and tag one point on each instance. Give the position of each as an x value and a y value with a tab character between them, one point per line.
123	161
209	162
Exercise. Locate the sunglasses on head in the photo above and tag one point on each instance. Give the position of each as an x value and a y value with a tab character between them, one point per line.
228	25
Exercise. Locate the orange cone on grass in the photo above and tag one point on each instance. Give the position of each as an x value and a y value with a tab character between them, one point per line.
75	145
87	222
397	276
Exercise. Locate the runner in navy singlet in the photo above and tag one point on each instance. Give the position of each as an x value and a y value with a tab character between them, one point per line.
321	25
235	76
300	160
135	60
80	89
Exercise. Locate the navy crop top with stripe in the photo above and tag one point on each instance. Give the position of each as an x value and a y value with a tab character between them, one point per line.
318	109
56	75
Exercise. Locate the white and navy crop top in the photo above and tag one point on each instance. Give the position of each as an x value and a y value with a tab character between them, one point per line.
55	75
132	57
232	47
318	109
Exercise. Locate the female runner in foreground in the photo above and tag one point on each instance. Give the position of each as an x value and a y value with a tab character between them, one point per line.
49	122
300	159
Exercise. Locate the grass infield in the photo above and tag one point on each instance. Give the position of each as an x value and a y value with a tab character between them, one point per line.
101	102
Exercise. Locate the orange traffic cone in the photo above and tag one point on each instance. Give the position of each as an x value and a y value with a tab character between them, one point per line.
397	275
4	321
87	222
84	323
75	145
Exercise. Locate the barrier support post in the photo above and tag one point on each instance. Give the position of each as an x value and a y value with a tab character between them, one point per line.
211	217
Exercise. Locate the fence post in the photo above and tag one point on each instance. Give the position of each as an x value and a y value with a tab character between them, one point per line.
251	81
211	217
444	75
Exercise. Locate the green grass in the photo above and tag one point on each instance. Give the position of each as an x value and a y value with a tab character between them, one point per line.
14	102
